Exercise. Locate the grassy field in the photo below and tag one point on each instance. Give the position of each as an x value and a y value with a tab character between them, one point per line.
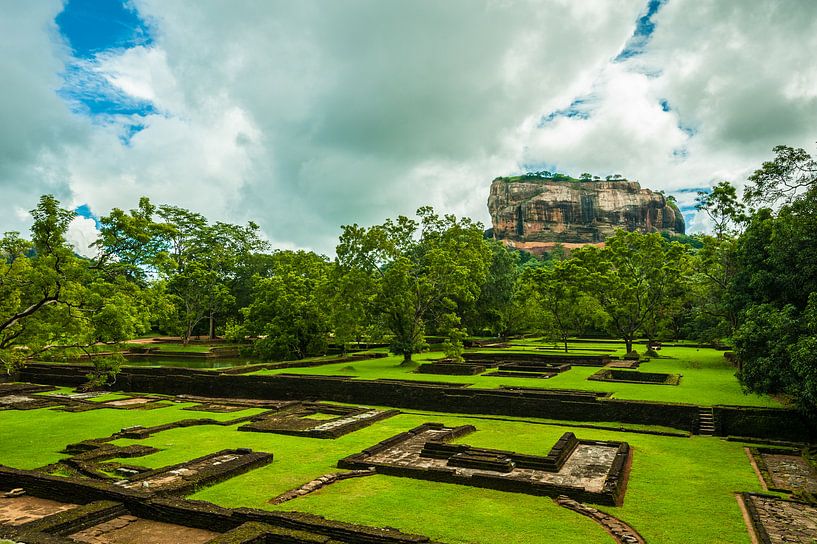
681	490
708	379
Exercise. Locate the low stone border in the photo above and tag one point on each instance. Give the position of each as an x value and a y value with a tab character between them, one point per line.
620	531
451	369
320	482
69	404
632	376
103	501
209	469
514	374
528	366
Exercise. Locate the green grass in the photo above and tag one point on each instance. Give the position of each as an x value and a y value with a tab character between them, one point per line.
681	489
40	435
708	379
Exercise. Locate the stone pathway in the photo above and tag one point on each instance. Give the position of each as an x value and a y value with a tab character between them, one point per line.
622	532
318	483
129	529
23	509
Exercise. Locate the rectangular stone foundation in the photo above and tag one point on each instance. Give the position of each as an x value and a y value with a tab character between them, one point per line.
779	521
588	471
300	420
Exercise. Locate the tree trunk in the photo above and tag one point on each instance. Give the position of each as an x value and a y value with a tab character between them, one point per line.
565	341
406	359
628	343
212	327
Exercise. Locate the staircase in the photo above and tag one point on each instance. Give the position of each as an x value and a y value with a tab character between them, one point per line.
706	421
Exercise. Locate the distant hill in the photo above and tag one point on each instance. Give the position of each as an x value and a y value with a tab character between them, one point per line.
534	213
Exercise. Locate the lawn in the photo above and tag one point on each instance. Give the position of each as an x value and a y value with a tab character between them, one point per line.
30	439
681	489
708	379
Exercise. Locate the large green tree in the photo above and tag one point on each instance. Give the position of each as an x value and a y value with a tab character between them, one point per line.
568	307
420	271
52	300
632	277
288	312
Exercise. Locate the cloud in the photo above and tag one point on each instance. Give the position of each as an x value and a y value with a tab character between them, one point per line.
305	116
82	232
36	125
716	87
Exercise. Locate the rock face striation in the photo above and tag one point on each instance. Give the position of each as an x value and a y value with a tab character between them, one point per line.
535	214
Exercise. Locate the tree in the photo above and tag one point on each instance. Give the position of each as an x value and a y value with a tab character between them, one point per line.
713	271
203	264
350	291
775	293
630	277
52	300
490	312
288	311
586	176
568	308
791	173
723	208
420	270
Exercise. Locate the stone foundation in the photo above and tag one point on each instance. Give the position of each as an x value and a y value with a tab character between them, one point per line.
586	470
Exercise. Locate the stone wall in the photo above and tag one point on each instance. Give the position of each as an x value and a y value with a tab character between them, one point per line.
552	404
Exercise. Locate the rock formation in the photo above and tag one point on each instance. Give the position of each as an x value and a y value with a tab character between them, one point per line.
534	213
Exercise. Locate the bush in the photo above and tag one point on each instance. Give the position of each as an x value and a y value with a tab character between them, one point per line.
632	356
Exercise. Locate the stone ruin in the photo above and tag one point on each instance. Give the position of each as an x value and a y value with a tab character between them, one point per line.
777	520
316	420
585	470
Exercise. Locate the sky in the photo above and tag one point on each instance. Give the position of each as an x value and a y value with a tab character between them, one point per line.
305	116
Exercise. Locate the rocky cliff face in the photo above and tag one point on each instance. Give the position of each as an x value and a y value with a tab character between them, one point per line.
536	213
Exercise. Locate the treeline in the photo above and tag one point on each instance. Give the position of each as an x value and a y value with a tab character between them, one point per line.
750	285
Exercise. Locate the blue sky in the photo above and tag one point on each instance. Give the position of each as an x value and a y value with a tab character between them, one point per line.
93	28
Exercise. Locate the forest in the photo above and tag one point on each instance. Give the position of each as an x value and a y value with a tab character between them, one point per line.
750	285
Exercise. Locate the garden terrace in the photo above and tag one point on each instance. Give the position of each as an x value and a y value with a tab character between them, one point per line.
515	400
680	490
585	470
634	376
709	379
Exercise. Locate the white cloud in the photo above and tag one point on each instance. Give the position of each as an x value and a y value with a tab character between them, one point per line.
304	116
82	232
